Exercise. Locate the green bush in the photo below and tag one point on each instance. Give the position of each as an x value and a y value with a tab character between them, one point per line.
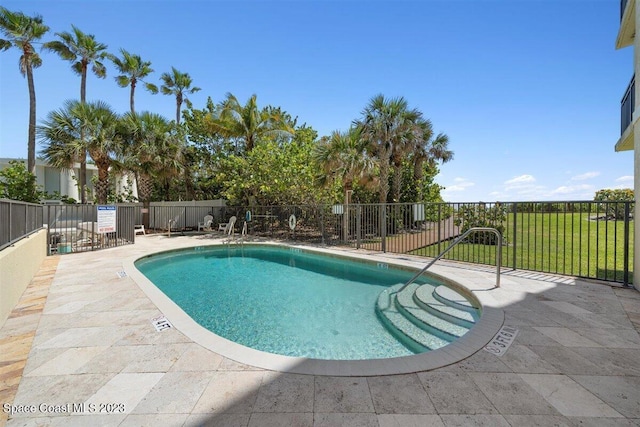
613	201
481	215
17	183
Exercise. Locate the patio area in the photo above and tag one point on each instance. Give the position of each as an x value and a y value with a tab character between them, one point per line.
80	349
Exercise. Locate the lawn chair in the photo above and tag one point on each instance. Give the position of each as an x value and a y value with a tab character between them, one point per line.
206	223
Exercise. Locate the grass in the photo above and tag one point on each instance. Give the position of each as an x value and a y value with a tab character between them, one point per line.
564	243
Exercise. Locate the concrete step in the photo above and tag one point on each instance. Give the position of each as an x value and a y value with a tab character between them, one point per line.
426	298
415	338
431	321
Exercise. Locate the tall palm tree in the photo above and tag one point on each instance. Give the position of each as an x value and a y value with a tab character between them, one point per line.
343	157
80	127
429	148
248	123
21	32
383	125
407	137
132	70
151	151
83	51
177	84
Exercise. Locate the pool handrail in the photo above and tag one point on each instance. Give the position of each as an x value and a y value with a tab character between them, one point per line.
455	242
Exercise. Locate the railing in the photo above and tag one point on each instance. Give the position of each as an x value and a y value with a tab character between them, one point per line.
578	238
627	105
18	220
459	240
75	228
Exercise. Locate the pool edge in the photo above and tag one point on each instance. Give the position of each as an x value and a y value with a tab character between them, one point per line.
491	320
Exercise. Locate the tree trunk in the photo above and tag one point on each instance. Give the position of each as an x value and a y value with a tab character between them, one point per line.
397	182
102	186
83	155
31	142
131	96
178	105
145	189
384	175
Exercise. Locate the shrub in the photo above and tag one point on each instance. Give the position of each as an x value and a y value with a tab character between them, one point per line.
613	201
481	215
17	183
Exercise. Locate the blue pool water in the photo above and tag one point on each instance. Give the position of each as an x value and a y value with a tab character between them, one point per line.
281	300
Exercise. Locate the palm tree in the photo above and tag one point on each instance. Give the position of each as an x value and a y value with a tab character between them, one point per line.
83	51
178	84
151	151
21	32
132	70
248	123
80	127
429	149
343	157
384	125
407	137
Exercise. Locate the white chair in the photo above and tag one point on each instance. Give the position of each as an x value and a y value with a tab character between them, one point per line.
226	227
139	229
230	228
206	224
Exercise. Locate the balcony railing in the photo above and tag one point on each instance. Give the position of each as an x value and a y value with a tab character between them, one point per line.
627	105
623	5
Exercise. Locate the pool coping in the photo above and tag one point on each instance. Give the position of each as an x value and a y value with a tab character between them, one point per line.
490	322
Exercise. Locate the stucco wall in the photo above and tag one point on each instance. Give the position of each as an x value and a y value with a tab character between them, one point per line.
18	264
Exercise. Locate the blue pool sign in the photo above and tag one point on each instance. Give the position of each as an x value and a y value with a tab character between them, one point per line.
106	219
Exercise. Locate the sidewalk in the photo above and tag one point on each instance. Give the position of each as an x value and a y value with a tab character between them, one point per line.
95	359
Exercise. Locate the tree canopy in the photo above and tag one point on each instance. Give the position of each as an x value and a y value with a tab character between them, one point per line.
244	152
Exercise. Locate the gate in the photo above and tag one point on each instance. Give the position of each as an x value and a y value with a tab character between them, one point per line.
82	228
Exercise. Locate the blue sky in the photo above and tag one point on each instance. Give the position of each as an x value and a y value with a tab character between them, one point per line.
527	91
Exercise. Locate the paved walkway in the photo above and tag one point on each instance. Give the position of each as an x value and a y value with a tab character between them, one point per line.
408	242
575	361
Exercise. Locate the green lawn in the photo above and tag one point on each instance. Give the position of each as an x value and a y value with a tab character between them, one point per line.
555	243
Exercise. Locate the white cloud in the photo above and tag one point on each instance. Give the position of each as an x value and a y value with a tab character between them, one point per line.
584	176
575	190
626	178
460	184
519	180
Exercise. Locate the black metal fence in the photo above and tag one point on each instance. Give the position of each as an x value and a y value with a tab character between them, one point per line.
78	228
579	238
18	220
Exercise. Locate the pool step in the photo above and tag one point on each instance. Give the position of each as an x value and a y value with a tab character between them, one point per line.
415	338
452	307
452	298
424	318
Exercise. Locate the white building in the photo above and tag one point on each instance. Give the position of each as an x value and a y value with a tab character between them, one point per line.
630	123
51	180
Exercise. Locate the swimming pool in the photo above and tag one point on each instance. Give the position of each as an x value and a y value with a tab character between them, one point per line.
284	300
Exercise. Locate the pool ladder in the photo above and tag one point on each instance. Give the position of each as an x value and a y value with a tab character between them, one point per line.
455	242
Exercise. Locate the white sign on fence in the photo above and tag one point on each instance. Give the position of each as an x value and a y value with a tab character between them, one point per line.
106	219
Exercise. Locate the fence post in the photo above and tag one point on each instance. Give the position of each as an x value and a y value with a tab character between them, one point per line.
358	225
440	225
626	243
383	225
515	234
322	224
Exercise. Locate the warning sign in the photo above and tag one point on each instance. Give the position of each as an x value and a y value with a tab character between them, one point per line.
106	219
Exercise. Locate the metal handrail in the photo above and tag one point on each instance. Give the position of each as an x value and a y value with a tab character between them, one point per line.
455	242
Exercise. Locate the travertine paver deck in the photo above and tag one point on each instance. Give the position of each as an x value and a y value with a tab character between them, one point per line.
575	361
